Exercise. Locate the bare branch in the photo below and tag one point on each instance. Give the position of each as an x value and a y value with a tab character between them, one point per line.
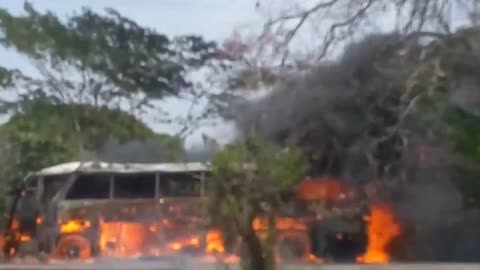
331	34
412	16
51	80
302	14
301	17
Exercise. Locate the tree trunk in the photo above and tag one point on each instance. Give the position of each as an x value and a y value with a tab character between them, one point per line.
270	242
255	259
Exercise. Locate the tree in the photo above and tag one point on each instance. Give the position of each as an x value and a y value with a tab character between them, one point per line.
90	69
102	60
47	134
252	178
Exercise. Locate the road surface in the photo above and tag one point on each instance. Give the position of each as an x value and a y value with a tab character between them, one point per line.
185	263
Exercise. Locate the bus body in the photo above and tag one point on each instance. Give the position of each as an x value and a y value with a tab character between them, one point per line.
81	209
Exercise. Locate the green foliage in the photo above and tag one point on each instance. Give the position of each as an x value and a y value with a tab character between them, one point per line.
47	134
464	134
250	179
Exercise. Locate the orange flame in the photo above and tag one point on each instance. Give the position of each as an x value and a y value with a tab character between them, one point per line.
214	242
311	258
382	228
15	227
122	239
282	223
75	226
25	238
324	189
180	244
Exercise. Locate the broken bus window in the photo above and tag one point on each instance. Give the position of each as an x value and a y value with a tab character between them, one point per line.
180	185
134	186
90	186
52	184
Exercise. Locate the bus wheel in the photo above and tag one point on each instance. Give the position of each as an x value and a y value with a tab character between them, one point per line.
292	246
73	247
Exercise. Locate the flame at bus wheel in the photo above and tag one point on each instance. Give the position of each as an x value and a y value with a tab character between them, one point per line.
73	246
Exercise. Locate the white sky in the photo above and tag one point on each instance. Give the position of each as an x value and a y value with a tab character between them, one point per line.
212	18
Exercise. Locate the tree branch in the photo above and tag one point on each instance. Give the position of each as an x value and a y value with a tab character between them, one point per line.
331	34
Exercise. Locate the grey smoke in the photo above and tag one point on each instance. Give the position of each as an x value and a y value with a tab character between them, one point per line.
337	108
145	151
135	151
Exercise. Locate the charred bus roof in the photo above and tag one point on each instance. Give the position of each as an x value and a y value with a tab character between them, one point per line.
120	168
93	180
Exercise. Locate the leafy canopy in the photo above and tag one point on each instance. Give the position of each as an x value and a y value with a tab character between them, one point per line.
98	59
47	134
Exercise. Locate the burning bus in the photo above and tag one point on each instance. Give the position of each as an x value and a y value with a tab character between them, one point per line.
87	209
90	209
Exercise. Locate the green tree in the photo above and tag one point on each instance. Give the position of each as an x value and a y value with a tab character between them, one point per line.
251	179
89	67
103	60
46	134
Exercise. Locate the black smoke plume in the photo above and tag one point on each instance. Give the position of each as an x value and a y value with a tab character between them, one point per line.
348	117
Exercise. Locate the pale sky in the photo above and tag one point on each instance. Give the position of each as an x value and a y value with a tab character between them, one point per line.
214	19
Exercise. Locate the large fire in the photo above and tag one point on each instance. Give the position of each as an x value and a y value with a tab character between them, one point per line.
126	239
382	228
121	238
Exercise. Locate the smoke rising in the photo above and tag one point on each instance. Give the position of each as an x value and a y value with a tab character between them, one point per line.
132	152
346	116
147	151
339	109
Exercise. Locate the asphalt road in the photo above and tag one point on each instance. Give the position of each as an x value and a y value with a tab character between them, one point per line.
185	264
